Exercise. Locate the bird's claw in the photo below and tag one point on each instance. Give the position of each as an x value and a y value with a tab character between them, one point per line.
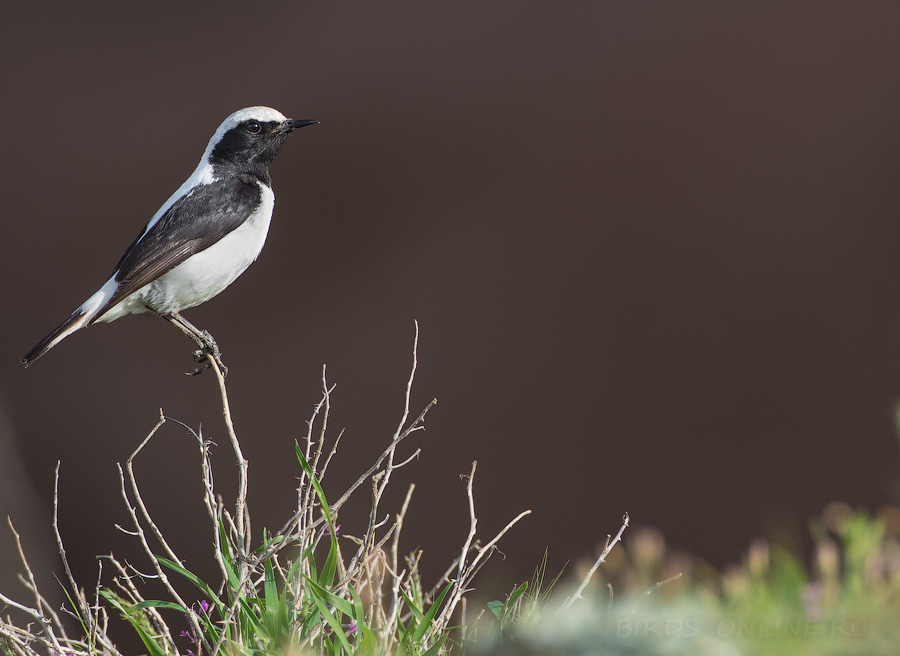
201	356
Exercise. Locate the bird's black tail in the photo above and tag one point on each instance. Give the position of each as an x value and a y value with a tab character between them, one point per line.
89	311
78	319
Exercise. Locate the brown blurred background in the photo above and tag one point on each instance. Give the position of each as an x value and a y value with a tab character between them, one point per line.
652	249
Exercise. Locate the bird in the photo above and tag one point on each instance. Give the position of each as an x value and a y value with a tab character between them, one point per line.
202	238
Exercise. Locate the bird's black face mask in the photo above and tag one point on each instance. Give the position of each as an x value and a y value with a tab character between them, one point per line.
252	142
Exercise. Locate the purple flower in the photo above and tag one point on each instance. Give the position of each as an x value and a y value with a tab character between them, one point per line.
190	634
337	529
352	628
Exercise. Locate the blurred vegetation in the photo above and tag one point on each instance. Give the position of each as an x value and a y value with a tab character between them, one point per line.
843	599
313	588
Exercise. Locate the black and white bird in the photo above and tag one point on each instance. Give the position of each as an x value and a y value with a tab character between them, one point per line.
206	235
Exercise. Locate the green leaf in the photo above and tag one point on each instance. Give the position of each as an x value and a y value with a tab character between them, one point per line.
329	597
516	594
402	632
332	622
329	569
432	612
326	576
196	580
149	643
249	615
315	483
366	644
426	619
76	607
436	647
415	621
496	607
359	610
510	605
272	612
225	553
151	603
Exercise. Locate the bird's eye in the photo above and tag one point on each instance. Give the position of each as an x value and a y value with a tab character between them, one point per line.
253	127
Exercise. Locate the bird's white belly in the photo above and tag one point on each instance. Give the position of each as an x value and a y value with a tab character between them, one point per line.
205	274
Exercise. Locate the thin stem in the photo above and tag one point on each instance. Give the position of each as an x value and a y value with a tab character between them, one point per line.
600	560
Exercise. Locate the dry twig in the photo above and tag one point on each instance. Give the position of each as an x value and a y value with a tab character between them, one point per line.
600	560
374	569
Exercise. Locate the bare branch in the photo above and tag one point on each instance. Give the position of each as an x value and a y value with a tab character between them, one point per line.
160	572
241	518
466	571
376	570
40	604
387	452
83	610
129	467
600	560
653	588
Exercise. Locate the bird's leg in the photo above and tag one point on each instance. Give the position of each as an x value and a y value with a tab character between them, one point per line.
203	339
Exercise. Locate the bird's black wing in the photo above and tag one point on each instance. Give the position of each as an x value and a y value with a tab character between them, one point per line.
193	223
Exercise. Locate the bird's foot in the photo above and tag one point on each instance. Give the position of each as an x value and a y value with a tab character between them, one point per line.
201	356
209	342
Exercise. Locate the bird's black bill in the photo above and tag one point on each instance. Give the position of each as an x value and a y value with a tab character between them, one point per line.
293	123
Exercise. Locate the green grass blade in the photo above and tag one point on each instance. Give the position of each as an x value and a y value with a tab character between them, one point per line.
225	552
359	610
437	602
425	619
436	647
432	611
76	608
251	623
151	645
277	612
329	569
196	580
272	612
516	594
315	483
419	616
332	622
329	597
510	606
152	603
366	644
